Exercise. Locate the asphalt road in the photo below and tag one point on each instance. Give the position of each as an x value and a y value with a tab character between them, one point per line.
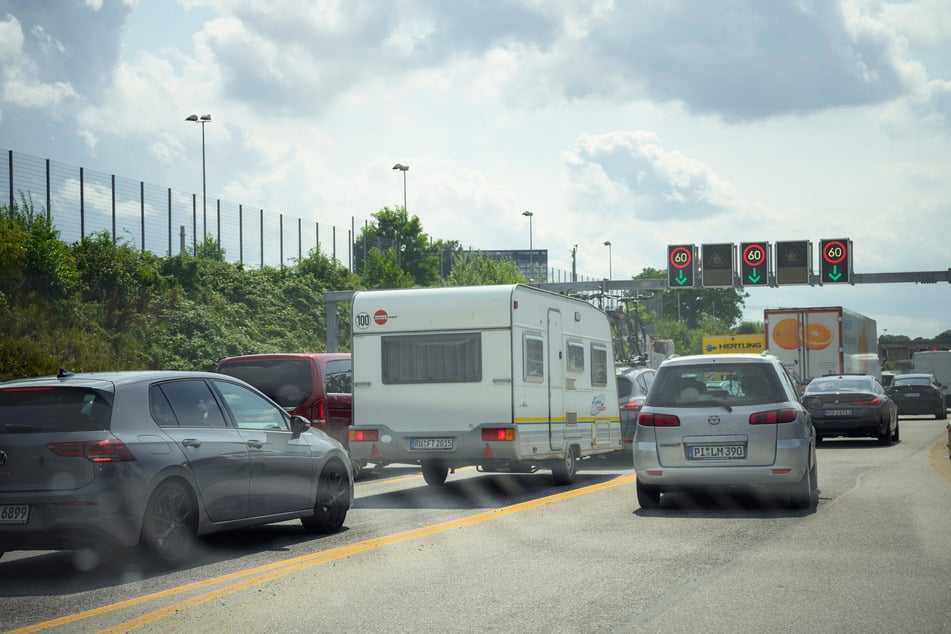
515	553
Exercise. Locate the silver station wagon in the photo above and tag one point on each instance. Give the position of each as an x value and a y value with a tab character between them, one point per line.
725	421
156	458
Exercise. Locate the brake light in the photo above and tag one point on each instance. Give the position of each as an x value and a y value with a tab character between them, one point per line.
774	416
874	401
94	451
319	414
498	433
364	435
634	403
650	419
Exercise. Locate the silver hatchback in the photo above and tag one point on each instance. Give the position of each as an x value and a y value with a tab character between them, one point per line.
725	421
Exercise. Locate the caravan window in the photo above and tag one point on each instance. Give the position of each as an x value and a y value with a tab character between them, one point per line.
575	356
599	364
441	358
534	356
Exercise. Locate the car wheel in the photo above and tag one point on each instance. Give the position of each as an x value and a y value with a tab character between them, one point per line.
885	436
357	467
941	414
896	436
434	471
333	500
170	524
800	496
648	497
564	472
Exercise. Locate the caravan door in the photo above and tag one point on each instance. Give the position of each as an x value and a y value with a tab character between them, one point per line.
556	382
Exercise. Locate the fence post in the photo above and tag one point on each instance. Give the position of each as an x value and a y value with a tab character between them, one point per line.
10	164
82	206
195	225
48	195
169	222
262	238
241	233
142	210
280	235
113	207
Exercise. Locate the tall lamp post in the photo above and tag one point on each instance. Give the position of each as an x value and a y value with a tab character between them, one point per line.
607	243
531	251
203	119
403	168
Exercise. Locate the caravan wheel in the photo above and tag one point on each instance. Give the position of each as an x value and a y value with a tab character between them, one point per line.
434	471
564	472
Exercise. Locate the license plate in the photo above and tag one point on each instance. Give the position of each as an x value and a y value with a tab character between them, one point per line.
428	444
912	394
14	513
716	452
837	412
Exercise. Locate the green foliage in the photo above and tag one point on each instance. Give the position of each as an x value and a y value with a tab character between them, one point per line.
385	272
32	257
469	269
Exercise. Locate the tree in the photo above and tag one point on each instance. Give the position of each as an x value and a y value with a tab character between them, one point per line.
469	269
392	230
381	270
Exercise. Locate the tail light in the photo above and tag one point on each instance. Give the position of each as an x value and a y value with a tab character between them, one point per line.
498	433
319	413
874	401
364	435
650	419
95	451
774	416
632	404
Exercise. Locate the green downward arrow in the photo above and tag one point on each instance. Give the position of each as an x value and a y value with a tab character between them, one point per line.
754	277
835	275
681	278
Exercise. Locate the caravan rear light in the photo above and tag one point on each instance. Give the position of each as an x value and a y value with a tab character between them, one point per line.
498	433
649	419
774	416
364	435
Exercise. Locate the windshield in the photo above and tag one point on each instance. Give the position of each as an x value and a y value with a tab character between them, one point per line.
699	385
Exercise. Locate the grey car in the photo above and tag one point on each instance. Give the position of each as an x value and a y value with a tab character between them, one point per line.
758	437
155	458
632	387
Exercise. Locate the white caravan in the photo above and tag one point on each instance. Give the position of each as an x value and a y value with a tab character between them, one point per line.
507	378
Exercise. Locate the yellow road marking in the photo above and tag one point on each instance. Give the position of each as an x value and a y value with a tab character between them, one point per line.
270	572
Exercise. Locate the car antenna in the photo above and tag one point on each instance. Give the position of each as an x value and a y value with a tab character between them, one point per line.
63	373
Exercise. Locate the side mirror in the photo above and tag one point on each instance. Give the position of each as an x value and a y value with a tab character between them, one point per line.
299	425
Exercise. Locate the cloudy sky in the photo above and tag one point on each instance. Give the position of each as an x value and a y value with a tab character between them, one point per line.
646	123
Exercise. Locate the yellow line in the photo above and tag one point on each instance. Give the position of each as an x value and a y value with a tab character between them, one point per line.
270	572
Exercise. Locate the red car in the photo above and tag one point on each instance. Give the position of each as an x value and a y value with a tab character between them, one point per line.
317	386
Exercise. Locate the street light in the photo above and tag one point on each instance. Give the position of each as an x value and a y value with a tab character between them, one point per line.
607	243
203	119
403	168
531	251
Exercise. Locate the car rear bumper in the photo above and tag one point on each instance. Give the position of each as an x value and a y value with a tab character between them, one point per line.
849	427
791	464
913	408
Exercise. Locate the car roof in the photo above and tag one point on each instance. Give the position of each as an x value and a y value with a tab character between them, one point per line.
118	377
287	355
916	375
731	358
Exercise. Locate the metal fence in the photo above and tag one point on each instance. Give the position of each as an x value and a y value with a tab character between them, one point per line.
81	202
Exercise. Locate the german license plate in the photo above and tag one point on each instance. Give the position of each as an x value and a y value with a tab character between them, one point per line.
716	452
837	412
429	444
14	513
912	394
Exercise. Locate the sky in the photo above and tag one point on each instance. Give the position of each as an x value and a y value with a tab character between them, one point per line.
645	123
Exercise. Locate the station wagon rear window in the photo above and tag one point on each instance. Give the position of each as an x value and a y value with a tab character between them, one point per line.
432	358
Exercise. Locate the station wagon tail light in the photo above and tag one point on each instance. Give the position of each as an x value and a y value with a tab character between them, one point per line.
649	419
364	435
634	403
95	451
498	433
774	416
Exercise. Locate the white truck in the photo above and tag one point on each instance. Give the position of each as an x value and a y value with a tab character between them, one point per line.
817	341
938	363
504	378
